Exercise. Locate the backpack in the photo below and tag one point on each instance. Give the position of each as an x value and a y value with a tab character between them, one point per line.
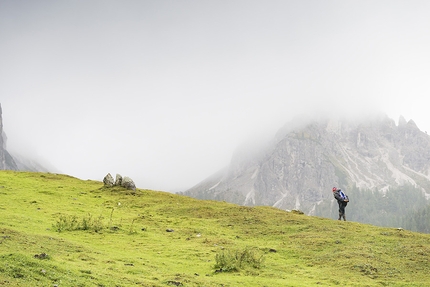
343	196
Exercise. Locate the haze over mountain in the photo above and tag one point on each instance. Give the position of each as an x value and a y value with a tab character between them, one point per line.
164	91
298	168
13	161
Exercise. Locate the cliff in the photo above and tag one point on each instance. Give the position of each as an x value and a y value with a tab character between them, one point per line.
6	160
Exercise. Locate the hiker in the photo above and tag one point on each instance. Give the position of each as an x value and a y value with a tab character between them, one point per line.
342	200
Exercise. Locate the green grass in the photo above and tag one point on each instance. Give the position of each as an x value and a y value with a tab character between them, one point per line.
59	230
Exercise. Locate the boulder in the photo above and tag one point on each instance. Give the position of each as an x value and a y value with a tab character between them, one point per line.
108	180
128	183
118	180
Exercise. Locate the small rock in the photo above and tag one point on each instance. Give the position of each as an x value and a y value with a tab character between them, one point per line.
41	256
296	211
169	230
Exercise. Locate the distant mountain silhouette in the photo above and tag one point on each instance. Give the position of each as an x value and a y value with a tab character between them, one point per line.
9	161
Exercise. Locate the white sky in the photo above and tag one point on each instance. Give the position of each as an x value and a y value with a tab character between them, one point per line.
165	91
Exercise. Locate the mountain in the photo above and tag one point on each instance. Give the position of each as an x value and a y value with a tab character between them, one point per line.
306	158
9	161
6	160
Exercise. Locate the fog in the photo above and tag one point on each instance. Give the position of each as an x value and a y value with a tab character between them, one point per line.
165	91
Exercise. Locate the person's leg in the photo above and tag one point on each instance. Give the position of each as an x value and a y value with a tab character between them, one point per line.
343	211
340	210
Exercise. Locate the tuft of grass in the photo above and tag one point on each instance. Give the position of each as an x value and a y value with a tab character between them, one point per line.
228	260
72	223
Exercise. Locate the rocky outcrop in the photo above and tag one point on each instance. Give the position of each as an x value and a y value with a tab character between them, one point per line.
6	160
125	182
304	161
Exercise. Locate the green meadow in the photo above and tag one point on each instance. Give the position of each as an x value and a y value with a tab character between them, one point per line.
57	230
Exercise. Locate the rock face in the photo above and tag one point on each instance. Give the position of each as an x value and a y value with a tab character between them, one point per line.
304	161
15	161
6	160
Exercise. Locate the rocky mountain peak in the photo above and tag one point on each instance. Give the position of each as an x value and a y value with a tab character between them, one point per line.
402	121
306	159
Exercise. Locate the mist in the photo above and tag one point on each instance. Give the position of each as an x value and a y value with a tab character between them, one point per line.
165	91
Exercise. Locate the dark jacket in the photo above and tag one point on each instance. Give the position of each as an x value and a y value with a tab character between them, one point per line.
339	197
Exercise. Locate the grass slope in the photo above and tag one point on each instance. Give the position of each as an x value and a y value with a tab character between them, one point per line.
118	238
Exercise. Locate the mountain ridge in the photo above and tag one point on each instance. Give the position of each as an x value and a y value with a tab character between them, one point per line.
306	158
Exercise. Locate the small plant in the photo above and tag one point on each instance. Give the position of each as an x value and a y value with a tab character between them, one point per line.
86	222
131	226
230	260
97	224
111	218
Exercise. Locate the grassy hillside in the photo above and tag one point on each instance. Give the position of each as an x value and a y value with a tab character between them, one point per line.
56	230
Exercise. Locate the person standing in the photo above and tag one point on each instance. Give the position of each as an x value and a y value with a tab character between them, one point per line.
342	200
